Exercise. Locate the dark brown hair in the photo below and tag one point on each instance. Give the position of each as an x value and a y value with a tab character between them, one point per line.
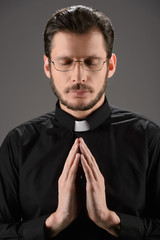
78	19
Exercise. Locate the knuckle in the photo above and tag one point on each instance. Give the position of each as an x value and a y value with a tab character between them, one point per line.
102	178
90	188
94	160
70	187
60	180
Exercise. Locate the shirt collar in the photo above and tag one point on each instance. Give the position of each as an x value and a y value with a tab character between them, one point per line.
93	120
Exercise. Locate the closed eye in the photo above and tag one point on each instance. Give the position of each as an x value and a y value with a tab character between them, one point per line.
91	61
65	61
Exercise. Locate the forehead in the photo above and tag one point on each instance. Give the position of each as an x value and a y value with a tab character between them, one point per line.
80	45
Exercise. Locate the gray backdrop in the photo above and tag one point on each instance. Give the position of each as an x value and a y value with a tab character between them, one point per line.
24	89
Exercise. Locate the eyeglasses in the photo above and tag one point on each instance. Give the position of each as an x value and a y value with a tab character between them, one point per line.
65	64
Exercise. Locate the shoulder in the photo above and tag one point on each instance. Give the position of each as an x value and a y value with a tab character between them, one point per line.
31	128
124	115
135	122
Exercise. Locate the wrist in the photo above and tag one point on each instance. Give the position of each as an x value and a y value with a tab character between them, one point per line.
52	226
111	223
56	222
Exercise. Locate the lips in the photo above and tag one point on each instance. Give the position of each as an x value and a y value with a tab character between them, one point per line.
79	88
79	92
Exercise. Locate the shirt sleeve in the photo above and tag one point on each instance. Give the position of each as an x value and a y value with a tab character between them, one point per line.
12	226
148	225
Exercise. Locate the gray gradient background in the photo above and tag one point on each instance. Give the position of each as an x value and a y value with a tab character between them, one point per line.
24	89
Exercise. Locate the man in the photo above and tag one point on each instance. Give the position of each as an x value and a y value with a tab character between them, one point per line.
87	170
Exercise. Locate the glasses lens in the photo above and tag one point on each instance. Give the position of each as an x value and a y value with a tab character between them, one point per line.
64	64
93	64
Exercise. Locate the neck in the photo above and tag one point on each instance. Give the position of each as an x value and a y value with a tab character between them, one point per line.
83	114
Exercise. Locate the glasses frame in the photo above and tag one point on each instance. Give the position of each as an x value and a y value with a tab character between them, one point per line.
82	64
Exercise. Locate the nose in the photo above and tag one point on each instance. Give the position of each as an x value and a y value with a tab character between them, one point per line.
78	73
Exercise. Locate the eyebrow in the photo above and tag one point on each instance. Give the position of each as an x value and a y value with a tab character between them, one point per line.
66	57
62	57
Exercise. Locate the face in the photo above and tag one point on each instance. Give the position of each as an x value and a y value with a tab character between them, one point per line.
79	89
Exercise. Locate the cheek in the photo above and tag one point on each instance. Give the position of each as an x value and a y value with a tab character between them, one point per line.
99	79
60	81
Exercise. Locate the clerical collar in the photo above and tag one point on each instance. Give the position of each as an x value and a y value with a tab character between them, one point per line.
81	126
91	122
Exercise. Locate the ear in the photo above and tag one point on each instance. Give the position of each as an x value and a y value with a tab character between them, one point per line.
46	66
112	65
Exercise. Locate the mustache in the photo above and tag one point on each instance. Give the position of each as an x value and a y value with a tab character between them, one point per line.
79	86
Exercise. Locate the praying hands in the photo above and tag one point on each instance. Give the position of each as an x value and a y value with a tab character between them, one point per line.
67	210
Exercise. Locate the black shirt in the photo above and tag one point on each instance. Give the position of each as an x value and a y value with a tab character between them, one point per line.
126	147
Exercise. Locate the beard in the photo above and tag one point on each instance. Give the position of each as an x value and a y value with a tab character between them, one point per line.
79	86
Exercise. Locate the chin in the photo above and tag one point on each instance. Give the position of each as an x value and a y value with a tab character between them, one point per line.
79	106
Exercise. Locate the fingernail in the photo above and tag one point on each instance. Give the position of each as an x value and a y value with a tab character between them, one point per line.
81	139
77	155
82	156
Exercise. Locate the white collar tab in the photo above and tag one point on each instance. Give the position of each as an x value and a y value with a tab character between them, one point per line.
81	126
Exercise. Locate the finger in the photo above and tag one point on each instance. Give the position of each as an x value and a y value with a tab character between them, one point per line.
88	155
90	177
73	148
70	159
74	168
84	149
